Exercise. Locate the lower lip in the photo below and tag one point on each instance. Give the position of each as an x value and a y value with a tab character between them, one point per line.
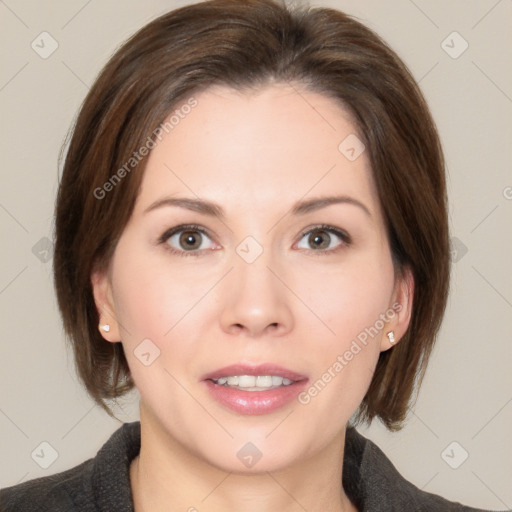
255	402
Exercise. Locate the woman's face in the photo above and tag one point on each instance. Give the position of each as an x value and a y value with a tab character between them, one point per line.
264	283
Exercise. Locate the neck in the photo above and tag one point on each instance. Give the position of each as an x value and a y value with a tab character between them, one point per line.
166	475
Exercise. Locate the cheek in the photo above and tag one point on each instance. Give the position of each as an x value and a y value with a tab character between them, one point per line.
350	299
152	309
165	303
351	304
151	291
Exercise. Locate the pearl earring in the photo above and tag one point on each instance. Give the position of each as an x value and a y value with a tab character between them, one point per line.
105	327
391	336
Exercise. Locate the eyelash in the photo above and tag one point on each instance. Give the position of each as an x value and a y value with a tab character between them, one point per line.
345	238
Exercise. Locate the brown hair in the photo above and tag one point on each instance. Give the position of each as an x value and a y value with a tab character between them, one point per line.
247	44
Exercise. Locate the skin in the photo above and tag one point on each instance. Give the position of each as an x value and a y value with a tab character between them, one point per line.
255	154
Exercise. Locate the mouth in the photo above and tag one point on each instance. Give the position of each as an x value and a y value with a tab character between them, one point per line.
254	377
252	382
254	389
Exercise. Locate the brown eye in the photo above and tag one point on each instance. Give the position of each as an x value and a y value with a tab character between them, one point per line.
324	239
187	239
190	240
319	239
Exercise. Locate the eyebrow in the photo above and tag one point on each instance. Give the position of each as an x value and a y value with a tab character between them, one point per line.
212	209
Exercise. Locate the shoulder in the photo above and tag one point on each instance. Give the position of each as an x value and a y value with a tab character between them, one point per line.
99	483
57	493
372	478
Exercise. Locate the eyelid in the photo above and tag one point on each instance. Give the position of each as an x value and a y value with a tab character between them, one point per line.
340	233
326	227
177	229
182	227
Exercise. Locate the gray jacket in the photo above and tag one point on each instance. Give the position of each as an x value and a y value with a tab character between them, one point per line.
103	482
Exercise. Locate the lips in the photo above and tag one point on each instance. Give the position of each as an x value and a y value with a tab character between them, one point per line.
247	369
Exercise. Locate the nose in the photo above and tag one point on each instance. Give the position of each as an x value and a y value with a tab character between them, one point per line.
255	302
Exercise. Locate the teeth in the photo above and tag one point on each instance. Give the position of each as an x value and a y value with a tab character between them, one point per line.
276	380
265	381
253	382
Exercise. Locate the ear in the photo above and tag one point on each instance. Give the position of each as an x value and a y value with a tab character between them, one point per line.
103	298
400	309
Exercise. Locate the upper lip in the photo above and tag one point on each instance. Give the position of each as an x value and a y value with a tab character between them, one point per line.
249	369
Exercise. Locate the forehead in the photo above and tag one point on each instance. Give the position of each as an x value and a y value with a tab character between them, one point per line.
247	148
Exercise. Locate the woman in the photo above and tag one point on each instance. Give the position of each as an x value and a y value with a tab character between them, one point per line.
251	229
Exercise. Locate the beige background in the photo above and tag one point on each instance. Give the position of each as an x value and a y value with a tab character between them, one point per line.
467	394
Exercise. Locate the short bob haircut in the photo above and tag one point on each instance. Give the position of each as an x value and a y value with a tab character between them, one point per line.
246	45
